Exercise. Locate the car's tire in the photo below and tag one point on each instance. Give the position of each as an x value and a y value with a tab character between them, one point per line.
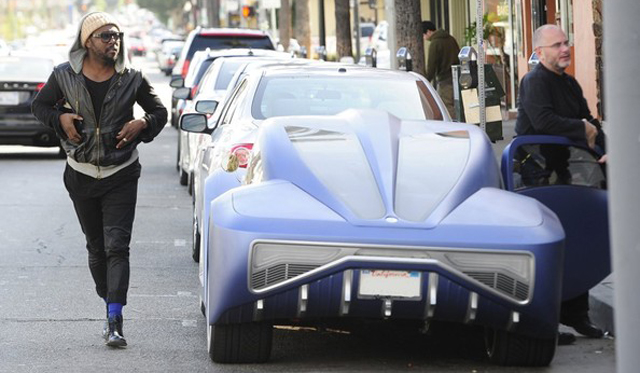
195	249
184	178
178	155
190	184
511	349
240	343
62	154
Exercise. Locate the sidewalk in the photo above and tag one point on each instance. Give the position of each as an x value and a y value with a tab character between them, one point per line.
601	296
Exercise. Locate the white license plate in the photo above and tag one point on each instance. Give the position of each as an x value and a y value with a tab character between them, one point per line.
9	98
385	283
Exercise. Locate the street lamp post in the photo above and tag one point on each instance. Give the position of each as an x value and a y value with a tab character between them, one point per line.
480	51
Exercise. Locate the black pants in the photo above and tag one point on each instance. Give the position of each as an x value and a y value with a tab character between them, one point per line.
106	209
574	309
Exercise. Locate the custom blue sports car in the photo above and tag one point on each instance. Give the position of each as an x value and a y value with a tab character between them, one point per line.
361	215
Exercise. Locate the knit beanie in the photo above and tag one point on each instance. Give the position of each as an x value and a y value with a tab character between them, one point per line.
94	21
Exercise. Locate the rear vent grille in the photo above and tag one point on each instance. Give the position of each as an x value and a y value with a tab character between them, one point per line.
503	283
278	273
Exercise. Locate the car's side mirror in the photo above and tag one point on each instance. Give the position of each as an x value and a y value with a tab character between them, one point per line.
183	93
206	106
193	122
177	82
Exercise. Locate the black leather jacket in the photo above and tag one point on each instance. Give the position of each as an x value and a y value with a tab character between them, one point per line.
66	91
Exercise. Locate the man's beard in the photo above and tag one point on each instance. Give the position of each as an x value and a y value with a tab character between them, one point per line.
108	60
563	65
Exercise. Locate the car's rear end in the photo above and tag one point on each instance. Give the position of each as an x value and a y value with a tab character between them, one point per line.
21	78
201	39
365	218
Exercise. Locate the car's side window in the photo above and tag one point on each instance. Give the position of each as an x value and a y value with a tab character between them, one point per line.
429	104
239	101
233	103
537	165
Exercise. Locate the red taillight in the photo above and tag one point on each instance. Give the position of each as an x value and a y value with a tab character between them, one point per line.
242	153
185	68
194	89
39	87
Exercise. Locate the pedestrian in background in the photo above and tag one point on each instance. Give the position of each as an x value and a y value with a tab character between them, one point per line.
89	102
443	53
551	103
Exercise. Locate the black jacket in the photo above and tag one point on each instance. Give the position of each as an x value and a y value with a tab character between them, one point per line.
67	89
552	104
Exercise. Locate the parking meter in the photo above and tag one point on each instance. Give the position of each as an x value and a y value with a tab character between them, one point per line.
533	60
468	57
404	59
322	52
465	93
370	57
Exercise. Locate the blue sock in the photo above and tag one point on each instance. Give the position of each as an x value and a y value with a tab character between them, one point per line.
115	309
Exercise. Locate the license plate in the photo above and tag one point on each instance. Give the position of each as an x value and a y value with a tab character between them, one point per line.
384	283
9	98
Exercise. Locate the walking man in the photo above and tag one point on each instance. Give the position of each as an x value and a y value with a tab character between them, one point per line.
443	53
89	102
551	103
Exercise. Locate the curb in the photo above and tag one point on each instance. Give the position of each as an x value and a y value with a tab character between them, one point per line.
601	305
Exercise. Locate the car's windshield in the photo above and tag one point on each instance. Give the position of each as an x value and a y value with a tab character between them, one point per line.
214	42
25	69
227	71
304	95
195	75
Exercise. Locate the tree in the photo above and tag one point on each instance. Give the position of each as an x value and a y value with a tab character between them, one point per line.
162	8
213	11
409	32
284	23
302	30
343	29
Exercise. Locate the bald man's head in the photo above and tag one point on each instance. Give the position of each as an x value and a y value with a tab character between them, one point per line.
541	32
552	47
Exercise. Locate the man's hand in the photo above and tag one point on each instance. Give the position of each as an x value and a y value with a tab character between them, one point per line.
603	159
66	122
130	131
590	132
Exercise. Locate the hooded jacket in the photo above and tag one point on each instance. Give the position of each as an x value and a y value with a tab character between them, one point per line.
443	53
66	91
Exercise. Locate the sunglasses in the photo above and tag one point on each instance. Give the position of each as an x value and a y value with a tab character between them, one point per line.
106	37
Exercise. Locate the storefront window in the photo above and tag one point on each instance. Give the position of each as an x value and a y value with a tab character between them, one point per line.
564	17
497	28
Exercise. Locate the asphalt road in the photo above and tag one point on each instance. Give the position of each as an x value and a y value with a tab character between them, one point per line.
51	319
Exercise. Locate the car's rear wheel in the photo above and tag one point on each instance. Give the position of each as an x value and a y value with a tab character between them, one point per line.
511	349
195	249
240	343
61	152
184	178
178	156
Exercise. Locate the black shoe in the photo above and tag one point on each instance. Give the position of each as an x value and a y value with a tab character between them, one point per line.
585	327
115	335
565	339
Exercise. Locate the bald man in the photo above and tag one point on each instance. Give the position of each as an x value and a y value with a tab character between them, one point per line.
551	103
